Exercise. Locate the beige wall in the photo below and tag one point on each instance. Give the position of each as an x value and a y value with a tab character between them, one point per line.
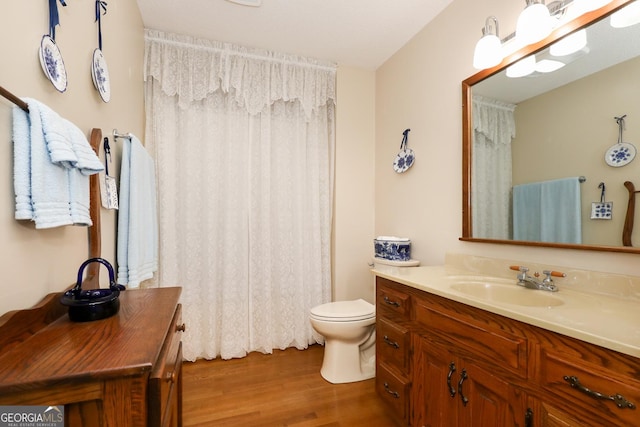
557	137
354	190
419	88
36	262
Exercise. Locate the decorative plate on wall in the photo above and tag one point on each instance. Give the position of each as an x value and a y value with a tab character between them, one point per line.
100	75
405	158
621	153
52	63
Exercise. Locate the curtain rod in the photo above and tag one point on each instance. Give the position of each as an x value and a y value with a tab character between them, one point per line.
241	54
11	97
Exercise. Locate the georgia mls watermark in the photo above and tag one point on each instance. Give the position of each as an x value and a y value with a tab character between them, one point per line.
32	416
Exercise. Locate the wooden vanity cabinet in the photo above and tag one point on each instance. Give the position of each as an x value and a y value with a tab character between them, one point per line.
123	371
466	367
393	347
470	367
450	390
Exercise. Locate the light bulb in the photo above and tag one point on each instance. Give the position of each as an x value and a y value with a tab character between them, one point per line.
488	52
523	67
548	66
570	44
534	23
627	16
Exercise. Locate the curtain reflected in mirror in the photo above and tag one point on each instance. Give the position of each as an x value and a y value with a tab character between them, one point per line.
493	130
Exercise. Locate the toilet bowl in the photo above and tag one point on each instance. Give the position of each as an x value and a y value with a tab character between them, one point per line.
348	328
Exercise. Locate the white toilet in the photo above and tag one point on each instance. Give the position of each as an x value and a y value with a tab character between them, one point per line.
348	328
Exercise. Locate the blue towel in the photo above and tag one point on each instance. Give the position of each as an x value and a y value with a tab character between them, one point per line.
137	219
41	187
526	212
22	164
51	168
548	211
87	162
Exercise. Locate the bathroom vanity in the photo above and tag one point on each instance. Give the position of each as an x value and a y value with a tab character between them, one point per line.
449	353
121	371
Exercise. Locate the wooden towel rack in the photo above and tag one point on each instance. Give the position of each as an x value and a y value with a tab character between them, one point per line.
92	278
631	208
11	97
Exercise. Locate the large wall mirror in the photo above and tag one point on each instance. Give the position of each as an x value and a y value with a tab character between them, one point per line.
539	149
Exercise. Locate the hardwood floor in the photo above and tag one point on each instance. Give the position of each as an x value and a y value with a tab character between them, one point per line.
281	389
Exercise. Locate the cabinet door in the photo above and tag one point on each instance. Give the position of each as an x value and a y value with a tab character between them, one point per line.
450	390
487	400
434	395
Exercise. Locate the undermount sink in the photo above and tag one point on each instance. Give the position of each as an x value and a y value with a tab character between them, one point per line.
505	293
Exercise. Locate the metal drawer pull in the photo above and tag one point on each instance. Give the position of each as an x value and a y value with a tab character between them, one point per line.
395	394
452	369
391	302
618	399
391	343
528	418
463	377
171	376
181	328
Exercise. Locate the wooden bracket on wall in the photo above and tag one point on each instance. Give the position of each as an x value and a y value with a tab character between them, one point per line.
628	220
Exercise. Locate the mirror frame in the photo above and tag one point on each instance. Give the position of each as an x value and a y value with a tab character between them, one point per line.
467	128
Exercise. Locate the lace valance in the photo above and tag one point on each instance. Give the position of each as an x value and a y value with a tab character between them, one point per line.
494	119
192	68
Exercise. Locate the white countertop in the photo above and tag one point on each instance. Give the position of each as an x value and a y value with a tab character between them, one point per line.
610	320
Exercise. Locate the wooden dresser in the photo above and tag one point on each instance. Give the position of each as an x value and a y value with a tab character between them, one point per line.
121	371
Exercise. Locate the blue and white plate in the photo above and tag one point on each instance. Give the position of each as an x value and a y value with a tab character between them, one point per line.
404	160
100	75
52	63
620	154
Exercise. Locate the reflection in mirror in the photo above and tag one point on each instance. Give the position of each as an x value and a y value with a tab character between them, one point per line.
536	150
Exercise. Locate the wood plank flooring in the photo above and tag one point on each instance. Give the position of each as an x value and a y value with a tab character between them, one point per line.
281	389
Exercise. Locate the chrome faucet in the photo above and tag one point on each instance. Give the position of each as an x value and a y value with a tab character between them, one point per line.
532	282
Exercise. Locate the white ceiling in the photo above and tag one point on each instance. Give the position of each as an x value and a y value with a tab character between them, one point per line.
359	33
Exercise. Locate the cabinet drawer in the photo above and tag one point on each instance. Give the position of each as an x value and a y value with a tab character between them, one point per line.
503	350
165	381
394	390
581	386
391	301
393	345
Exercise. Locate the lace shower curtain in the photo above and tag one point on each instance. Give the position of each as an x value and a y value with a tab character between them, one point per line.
493	129
244	142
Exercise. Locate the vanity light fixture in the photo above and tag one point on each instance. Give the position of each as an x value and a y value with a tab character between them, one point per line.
534	23
522	68
626	17
570	44
488	51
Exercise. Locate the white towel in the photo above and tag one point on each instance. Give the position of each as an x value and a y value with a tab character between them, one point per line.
138	219
52	161
41	187
88	162
22	164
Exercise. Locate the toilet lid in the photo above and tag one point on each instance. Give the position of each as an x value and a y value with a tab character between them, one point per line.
345	310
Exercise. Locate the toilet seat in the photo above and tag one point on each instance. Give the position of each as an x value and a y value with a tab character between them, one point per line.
344	311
